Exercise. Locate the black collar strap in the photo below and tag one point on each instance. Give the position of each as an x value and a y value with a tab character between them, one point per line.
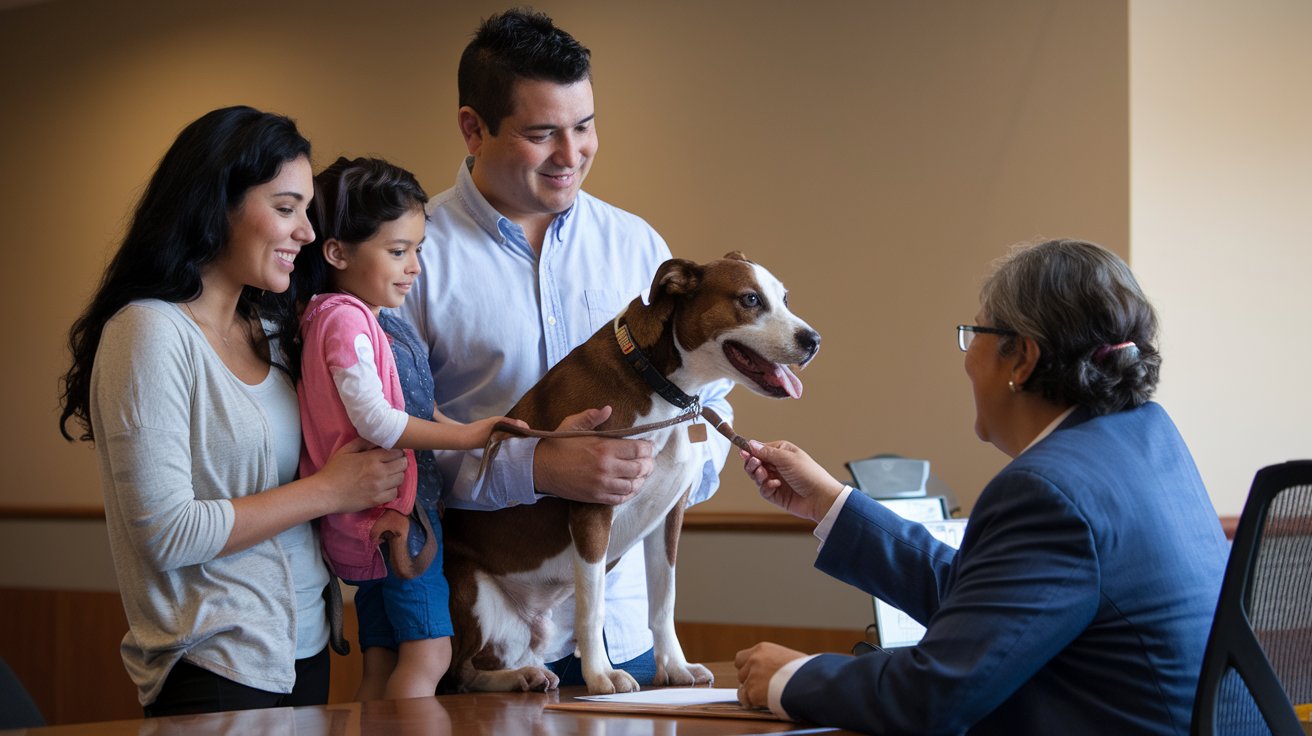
658	383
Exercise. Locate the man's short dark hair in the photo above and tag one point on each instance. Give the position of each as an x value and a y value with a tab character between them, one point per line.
517	44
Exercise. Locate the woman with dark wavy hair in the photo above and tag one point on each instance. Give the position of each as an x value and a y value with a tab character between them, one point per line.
1080	599
175	378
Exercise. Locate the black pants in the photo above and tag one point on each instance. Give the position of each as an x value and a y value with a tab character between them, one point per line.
191	689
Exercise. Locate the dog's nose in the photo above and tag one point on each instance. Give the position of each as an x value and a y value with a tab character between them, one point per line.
809	341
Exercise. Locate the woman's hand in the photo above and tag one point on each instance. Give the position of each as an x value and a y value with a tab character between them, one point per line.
788	478
360	476
756	666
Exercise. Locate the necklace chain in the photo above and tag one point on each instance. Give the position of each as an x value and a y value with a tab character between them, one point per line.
197	320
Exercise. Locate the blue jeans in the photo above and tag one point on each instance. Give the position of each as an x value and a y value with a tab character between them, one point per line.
570	669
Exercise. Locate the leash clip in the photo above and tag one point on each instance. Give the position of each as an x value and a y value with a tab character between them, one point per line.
696	427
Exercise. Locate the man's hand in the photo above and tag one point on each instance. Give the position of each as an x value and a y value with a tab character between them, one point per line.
755	668
788	478
591	469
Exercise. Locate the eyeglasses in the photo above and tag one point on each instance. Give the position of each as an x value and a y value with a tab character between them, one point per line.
966	334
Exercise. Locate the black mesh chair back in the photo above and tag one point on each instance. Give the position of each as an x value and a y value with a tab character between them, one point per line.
1259	653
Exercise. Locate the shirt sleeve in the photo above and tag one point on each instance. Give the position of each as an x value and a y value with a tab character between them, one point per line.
506	481
141	392
779	681
826	524
349	355
361	390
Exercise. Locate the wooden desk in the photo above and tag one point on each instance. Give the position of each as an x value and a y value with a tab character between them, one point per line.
481	714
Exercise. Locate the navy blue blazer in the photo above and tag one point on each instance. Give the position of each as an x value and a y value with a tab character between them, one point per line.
1079	602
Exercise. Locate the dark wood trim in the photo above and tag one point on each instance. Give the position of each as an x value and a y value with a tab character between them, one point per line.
693	521
715	642
771	523
717	521
51	513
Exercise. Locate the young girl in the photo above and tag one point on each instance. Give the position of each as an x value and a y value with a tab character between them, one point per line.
369	220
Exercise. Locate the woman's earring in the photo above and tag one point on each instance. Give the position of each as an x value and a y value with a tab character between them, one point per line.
1012	385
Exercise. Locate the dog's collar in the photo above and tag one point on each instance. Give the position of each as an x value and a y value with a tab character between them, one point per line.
658	382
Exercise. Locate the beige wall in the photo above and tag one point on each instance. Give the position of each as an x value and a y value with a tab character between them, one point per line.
1221	182
875	155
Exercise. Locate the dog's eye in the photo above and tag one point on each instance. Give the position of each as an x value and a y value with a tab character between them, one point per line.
750	300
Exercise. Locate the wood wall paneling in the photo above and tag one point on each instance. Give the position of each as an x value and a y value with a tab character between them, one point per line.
64	647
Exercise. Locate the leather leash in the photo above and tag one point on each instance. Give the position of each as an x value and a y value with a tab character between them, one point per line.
505	428
663	387
698	411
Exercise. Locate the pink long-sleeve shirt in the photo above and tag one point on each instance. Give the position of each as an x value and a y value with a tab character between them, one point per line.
350	388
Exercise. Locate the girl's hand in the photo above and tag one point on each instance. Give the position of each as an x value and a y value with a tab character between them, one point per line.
475	435
360	476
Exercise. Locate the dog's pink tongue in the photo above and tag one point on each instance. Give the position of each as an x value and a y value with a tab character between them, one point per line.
787	380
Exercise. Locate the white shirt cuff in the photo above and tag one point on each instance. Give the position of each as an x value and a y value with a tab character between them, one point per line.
780	680
822	529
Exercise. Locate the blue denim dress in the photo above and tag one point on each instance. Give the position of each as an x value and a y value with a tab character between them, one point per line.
392	610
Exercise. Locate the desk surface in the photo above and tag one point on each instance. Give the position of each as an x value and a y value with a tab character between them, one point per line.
489	714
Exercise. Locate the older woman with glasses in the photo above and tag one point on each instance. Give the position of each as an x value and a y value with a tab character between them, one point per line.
1080	599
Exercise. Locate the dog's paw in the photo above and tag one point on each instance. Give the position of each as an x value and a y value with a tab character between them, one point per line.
612	681
536	678
700	675
683	674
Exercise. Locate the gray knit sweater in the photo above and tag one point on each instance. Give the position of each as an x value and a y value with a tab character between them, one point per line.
177	436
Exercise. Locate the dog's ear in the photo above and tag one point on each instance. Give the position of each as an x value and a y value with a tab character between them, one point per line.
675	278
736	255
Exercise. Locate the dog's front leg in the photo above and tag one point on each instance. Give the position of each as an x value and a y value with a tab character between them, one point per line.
590	528
660	548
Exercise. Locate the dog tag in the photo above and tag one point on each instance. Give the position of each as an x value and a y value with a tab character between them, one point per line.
696	432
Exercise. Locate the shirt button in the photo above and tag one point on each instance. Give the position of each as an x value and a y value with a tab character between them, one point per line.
551	320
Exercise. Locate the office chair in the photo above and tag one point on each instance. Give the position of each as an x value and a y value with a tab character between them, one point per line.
1259	653
16	707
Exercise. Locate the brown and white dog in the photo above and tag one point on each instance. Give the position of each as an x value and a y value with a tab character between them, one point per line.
509	568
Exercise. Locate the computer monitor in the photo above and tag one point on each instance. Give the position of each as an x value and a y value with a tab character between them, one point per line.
895	628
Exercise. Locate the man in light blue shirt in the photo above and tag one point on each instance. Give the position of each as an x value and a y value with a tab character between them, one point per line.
520	266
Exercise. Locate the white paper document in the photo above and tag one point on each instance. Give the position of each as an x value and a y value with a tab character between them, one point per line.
671	696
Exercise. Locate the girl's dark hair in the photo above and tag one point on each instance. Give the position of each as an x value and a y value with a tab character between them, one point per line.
1082	305
352	200
181	225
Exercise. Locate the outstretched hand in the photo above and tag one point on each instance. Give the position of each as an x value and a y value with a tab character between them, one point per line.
788	478
476	434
